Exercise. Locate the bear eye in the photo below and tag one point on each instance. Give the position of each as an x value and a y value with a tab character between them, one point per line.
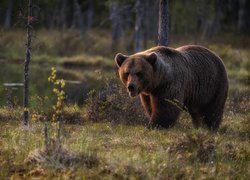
139	74
125	75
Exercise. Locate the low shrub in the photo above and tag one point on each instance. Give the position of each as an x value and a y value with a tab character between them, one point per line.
113	104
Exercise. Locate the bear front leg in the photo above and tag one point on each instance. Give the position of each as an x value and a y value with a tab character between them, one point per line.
145	100
164	113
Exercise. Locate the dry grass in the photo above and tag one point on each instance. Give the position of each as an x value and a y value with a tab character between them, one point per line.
112	104
109	150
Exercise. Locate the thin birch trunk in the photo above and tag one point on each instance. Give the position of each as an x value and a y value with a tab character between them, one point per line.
46	135
26	66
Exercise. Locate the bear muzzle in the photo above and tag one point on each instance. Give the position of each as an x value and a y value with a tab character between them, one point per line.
132	90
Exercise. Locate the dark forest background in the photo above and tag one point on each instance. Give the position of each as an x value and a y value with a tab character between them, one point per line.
200	19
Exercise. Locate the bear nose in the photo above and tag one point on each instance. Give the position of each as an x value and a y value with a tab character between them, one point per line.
131	87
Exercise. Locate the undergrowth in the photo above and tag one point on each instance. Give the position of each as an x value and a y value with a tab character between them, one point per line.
112	104
109	150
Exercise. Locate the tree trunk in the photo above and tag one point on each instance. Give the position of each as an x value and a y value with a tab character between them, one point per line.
7	21
46	135
78	17
217	17
154	20
163	23
214	25
146	23
242	16
138	25
145	32
199	16
62	19
54	17
90	13
26	65
115	23
200	8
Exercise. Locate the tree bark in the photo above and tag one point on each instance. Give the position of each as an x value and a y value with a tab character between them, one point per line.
163	23
26	65
138	25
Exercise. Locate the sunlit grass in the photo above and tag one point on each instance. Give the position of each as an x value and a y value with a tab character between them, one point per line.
134	151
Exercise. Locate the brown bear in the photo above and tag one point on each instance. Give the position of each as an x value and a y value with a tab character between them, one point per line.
168	80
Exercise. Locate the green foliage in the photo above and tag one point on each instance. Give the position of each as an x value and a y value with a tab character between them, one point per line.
59	92
53	118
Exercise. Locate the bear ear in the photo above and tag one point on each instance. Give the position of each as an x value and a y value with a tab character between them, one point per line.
152	58
119	59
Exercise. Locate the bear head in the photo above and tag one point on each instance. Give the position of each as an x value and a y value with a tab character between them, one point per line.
136	72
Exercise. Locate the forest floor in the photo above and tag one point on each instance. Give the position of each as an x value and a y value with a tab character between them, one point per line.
98	143
113	150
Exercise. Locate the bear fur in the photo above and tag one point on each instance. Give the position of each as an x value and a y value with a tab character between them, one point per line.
168	80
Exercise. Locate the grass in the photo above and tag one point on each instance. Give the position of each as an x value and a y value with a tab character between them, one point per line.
54	43
125	151
110	149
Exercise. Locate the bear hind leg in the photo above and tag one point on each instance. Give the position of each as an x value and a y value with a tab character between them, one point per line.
213	114
197	117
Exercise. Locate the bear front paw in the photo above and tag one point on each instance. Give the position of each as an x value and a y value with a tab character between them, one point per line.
152	126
